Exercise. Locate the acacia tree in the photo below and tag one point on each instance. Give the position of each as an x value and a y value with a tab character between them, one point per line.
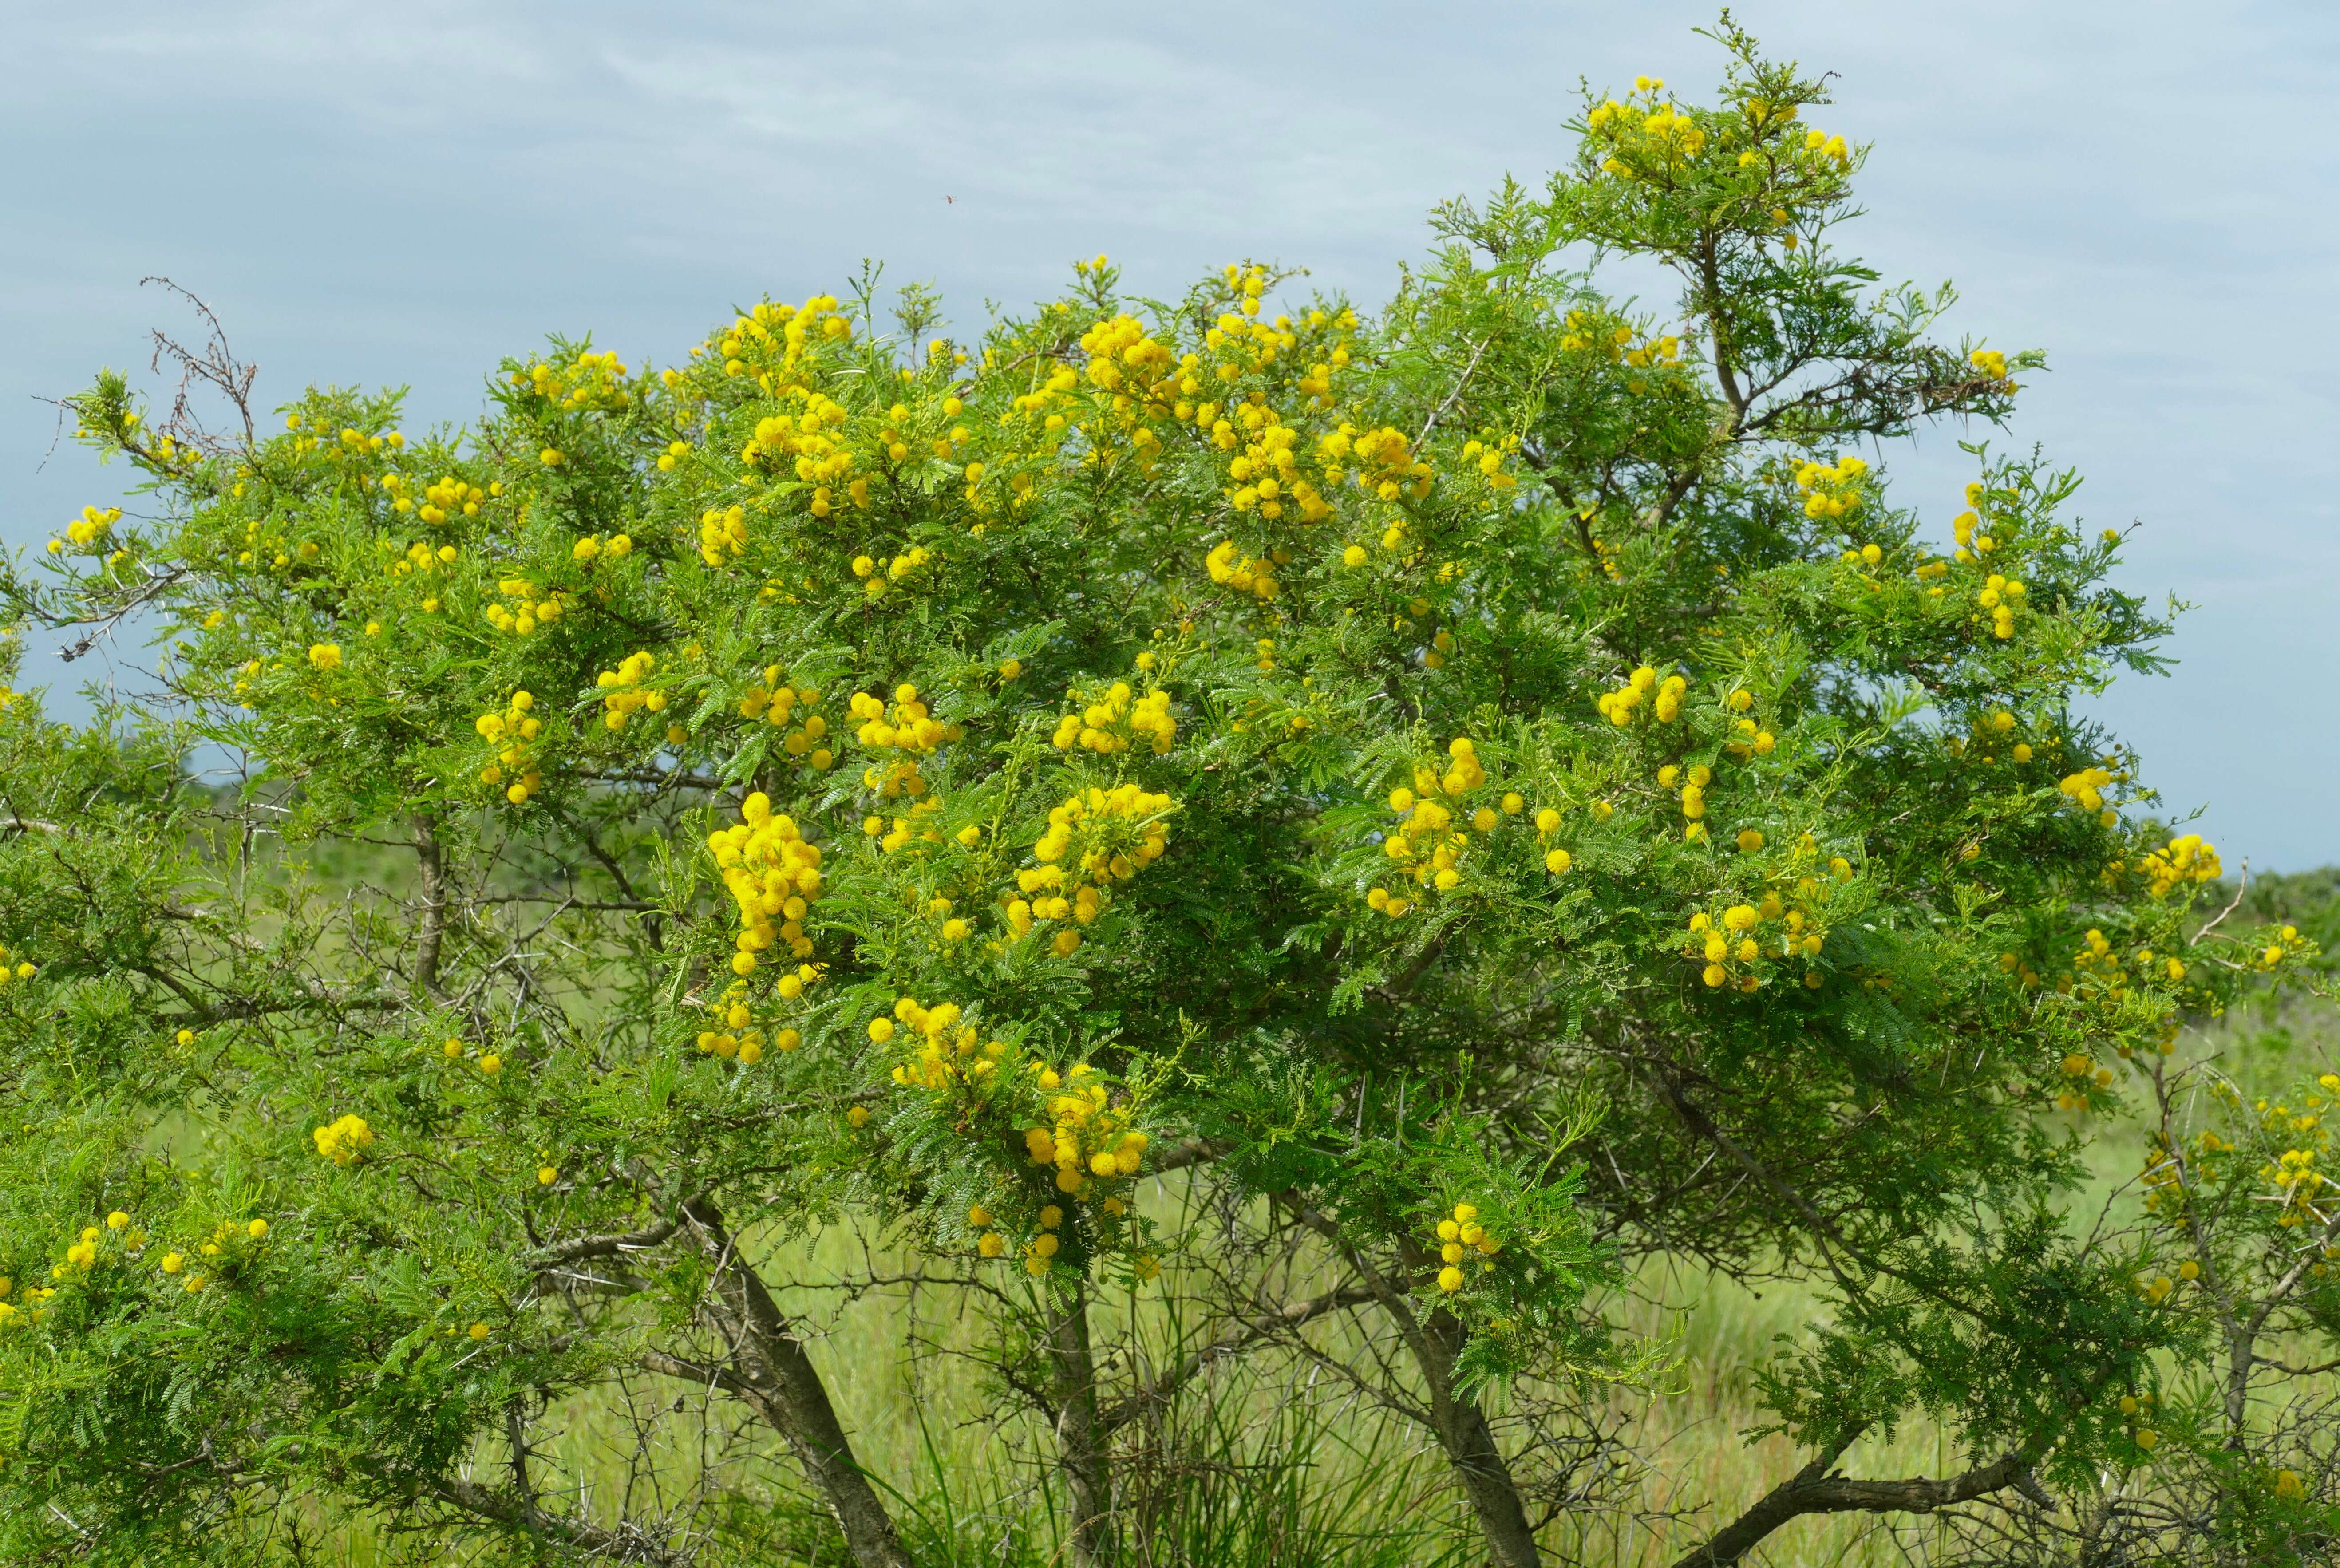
1490	792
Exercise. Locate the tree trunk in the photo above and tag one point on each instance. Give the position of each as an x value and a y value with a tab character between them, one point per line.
1459	1426
1080	1450
786	1391
433	931
1469	1445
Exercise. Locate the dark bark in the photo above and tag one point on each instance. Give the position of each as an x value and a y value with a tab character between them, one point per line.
1471	1448
777	1380
1814	1490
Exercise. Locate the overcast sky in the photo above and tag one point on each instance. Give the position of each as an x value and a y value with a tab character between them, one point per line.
400	194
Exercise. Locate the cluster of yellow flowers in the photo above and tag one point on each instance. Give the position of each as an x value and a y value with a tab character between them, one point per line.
918	828
536	608
722	535
948	1052
590	381
2085	790
1111	722
1387	467
1832	494
1103	836
1459	1235
1735	947
1123	356
88	530
2084	1078
518	728
2135	1408
225	1235
1490	455
731	1012
2286	943
1040	1252
2298	1184
1254	575
1690	789
1991	363
801	442
1973	543
36	1296
1989	734
442	498
420	557
877	578
2185	859
751	338
1649	138
82	1254
1749	740
1426	845
1587	331
344	1140
770	871
24	969
2001	597
1618	707
773	701
1087	1138
907	727
989	1242
592	547
1074	1126
1263	474
1827	146
622	691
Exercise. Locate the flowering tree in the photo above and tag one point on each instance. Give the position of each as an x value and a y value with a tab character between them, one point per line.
1490	792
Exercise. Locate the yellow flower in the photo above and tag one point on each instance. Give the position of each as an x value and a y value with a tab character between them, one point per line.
344	1140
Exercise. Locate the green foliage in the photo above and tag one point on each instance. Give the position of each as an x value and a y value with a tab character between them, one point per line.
1493	790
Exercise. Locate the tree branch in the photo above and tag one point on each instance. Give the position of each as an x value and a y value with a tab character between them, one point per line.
627	1542
1814	1490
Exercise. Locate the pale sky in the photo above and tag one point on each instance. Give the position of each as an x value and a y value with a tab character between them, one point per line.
401	194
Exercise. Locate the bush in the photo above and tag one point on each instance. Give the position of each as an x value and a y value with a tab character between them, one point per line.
1484	794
